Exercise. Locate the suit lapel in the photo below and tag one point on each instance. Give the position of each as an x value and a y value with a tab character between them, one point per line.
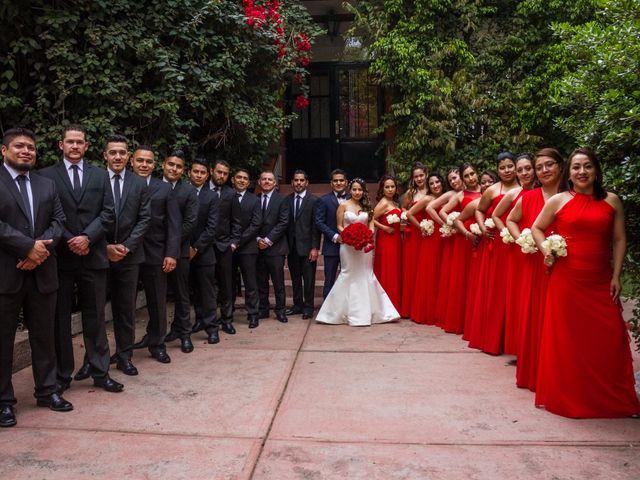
13	188
35	195
87	173
127	181
64	175
334	200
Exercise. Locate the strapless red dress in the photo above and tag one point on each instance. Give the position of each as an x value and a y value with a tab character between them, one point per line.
387	259
446	272
585	368
410	251
425	297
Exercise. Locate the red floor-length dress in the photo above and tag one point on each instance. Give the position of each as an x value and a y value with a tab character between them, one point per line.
410	250
586	369
387	259
476	299
460	261
446	272
426	292
514	291
531	308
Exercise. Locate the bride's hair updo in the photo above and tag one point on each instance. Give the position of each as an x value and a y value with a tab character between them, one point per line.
364	202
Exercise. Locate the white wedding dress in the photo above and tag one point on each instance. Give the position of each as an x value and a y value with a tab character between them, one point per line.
357	298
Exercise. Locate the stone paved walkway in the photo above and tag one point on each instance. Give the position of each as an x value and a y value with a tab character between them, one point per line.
308	401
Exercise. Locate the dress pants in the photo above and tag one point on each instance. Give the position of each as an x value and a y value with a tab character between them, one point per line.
179	281
247	265
303	280
154	281
92	287
271	266
203	283
224	284
39	310
331	263
123	283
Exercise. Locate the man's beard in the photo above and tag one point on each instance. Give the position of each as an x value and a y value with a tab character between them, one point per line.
21	167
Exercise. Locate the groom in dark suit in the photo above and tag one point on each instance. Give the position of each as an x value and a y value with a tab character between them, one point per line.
304	243
325	216
31	223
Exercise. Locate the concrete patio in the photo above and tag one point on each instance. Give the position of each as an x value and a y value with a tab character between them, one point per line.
308	401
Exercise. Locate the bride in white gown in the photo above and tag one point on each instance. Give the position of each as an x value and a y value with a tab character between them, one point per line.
357	298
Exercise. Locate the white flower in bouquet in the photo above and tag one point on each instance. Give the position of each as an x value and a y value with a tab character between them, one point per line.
489	223
506	236
447	231
475	229
555	244
452	218
403	216
427	227
525	240
393	218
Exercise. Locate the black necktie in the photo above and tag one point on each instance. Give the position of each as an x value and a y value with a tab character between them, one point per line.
217	190
22	183
116	191
264	203
76	180
239	195
298	200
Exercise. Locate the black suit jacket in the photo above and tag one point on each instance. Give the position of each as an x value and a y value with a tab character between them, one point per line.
132	218
250	223
16	239
228	231
187	201
326	222
163	237
274	225
91	214
302	231
204	232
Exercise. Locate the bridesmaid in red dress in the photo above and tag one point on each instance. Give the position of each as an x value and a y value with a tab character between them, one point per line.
585	369
489	311
412	237
387	258
455	296
533	275
527	180
425	295
443	264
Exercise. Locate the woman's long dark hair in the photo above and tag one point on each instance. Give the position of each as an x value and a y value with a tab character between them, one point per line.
364	202
599	192
380	193
442	182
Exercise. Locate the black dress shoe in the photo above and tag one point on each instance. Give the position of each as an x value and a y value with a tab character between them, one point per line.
126	367
187	346
55	402
144	343
263	315
113	359
197	327
282	318
171	336
253	322
83	373
109	384
228	328
161	355
213	338
7	416
293	311
306	316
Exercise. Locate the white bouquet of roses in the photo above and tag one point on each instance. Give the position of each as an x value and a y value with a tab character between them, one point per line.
525	240
556	245
489	223
403	216
506	236
393	218
427	227
475	229
447	231
452	218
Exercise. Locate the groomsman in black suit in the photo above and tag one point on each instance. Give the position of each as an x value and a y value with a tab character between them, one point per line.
161	249
325	214
125	249
187	200
87	201
31	223
304	243
272	246
246	254
227	238
201	253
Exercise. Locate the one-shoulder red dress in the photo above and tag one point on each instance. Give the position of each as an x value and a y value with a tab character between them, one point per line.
387	259
585	368
410	250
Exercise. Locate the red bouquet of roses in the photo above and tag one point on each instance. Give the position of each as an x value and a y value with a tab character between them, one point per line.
359	236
